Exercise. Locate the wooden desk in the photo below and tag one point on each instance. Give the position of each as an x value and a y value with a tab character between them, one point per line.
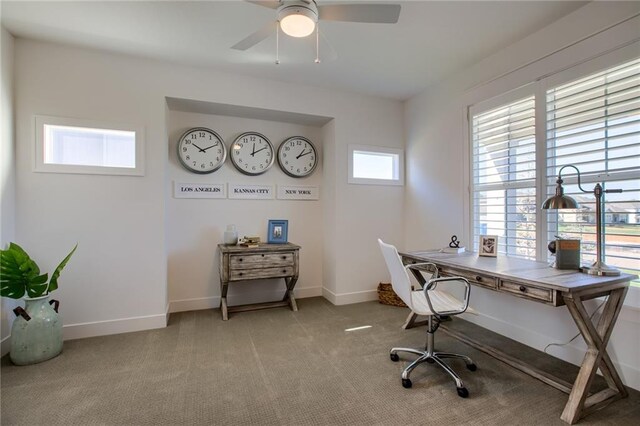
537	282
254	263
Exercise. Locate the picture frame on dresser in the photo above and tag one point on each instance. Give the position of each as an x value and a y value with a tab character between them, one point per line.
277	232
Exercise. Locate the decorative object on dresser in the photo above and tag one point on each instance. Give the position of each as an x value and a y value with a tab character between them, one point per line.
231	235
36	333
277	231
201	150
266	261
488	245
252	153
297	157
249	241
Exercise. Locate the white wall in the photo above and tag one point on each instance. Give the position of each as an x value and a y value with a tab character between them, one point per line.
7	170
436	150
128	228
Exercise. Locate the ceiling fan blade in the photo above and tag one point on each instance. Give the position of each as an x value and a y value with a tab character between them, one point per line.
369	13
256	37
273	4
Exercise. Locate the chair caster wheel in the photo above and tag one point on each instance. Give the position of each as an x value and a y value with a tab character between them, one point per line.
463	392
472	367
394	357
406	383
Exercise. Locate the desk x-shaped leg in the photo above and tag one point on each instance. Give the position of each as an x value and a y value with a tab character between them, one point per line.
580	403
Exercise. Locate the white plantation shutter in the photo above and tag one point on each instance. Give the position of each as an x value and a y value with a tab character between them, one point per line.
594	124
504	173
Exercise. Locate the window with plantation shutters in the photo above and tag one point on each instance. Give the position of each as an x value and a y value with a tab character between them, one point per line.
593	123
504	177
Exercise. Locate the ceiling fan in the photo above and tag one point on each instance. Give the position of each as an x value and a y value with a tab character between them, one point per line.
298	18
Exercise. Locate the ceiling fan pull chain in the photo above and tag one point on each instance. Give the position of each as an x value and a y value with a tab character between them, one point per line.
278	43
317	61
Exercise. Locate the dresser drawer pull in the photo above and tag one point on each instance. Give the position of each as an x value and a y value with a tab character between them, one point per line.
523	288
263	255
284	271
284	257
240	273
240	260
478	278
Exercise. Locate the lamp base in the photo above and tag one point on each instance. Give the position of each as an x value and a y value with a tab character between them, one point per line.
600	269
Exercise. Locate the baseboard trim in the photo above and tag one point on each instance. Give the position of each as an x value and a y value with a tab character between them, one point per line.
213	302
5	345
572	353
349	298
122	325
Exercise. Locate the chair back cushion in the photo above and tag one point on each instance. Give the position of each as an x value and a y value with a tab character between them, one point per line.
399	277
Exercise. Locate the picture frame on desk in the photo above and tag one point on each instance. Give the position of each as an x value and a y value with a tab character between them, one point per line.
488	245
277	232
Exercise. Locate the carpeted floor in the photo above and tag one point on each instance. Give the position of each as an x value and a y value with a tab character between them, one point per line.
277	367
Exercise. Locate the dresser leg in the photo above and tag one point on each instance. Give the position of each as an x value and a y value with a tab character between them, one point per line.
223	308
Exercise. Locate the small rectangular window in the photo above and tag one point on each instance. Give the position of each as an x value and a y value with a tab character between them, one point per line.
66	145
375	165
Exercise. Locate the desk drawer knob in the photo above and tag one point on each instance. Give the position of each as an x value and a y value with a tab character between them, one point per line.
284	271
523	288
478	278
263	255
240	260
240	273
284	257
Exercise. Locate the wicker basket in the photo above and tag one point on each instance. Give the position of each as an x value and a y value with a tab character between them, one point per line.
387	296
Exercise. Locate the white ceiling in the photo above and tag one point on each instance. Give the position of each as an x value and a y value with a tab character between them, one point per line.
430	41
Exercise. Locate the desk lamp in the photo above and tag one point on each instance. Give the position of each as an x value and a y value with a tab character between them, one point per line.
561	202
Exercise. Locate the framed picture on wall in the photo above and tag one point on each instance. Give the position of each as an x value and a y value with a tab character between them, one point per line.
278	231
488	245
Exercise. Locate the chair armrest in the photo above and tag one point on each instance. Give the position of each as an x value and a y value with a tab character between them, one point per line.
415	266
431	285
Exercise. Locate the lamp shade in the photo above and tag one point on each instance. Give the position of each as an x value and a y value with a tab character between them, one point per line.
560	202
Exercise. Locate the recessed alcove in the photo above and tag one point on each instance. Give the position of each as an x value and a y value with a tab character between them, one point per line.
194	227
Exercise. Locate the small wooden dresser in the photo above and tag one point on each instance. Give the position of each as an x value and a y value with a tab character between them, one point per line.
266	261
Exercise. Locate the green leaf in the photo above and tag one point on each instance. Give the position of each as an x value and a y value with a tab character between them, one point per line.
16	271
53	284
37	286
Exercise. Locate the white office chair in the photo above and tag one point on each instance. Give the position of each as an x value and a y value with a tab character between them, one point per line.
431	302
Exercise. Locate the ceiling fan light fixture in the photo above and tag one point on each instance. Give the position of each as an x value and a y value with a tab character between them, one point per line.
298	20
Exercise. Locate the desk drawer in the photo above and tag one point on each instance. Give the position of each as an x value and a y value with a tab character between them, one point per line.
527	291
256	261
254	274
474	278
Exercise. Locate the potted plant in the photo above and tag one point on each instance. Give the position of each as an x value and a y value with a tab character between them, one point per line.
36	334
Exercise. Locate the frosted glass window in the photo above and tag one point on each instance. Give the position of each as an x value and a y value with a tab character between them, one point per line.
65	145
375	165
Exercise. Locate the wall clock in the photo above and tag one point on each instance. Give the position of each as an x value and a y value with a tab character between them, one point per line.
252	153
297	157
201	150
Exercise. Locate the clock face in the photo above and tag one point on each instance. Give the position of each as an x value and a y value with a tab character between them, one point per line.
201	150
297	157
252	153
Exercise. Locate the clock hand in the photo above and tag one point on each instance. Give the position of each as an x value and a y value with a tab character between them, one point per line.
209	147
302	154
255	152
201	150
